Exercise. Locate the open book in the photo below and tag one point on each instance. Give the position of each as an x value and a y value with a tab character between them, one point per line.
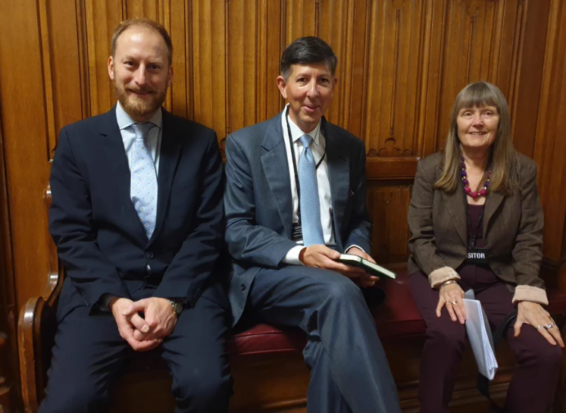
366	265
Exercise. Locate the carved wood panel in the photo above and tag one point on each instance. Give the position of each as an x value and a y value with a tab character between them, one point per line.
401	63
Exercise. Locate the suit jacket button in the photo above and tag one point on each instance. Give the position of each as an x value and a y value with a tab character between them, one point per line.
149	254
148	269
243	287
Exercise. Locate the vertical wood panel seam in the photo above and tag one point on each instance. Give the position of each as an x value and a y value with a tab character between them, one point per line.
518	42
283	41
84	69
395	69
470	47
46	73
365	77
441	75
426	48
189	60
227	117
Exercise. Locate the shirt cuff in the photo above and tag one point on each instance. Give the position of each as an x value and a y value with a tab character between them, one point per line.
292	257
104	302
354	246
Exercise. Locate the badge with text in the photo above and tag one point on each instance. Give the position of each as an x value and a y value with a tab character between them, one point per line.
477	256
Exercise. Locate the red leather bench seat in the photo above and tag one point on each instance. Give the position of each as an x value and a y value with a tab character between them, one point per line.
397	317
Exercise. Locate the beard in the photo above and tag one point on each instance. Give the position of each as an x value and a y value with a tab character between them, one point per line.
136	107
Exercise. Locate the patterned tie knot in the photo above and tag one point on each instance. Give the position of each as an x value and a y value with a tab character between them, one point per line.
306	140
142	129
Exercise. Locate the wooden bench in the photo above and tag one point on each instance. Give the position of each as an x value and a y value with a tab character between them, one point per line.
269	373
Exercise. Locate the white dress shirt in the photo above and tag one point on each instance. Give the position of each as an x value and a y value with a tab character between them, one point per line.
318	147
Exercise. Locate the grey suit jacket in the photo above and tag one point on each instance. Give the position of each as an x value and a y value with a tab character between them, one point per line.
512	228
258	200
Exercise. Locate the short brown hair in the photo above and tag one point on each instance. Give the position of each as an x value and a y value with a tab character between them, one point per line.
145	23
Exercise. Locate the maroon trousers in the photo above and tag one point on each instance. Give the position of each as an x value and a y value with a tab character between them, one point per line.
537	362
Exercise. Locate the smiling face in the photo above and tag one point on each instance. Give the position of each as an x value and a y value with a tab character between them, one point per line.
477	127
141	72
308	89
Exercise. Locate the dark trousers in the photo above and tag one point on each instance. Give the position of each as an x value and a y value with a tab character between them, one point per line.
349	370
89	352
538	362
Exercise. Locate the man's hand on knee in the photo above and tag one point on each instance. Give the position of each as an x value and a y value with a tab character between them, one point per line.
129	322
159	316
320	256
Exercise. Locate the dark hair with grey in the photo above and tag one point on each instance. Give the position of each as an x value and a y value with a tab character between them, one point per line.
146	24
307	50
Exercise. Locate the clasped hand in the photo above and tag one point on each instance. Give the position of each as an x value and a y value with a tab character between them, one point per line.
320	256
147	332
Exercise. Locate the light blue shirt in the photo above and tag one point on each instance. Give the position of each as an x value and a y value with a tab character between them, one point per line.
125	123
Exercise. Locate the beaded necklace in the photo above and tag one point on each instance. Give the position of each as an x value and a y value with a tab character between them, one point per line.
473	194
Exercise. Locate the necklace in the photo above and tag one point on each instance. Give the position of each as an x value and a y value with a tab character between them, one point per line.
473	194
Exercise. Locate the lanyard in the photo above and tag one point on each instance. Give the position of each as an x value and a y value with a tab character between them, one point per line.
473	237
295	163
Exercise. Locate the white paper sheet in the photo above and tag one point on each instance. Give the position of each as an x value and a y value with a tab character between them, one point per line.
479	334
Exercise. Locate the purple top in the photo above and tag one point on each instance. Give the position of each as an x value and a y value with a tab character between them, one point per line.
475	211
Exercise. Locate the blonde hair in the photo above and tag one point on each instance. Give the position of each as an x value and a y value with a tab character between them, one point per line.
146	24
502	159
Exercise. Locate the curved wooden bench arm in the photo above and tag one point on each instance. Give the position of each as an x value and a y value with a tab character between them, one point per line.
29	325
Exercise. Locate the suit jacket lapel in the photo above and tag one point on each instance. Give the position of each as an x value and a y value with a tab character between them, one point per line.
168	159
119	177
492	204
276	169
455	204
338	176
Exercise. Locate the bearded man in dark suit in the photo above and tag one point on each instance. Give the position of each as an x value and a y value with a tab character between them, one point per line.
137	217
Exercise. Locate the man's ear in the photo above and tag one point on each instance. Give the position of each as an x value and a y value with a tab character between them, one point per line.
111	67
170	76
282	85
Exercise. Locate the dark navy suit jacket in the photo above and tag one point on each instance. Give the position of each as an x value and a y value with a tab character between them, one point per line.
99	237
258	200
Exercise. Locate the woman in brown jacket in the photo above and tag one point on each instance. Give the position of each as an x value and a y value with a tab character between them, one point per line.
480	197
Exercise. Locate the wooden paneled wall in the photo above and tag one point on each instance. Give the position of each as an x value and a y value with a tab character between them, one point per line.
401	63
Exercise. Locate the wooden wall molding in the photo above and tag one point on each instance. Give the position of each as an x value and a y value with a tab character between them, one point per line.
401	64
550	147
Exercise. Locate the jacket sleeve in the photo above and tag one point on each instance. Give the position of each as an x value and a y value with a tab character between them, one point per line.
196	260
422	239
527	251
72	229
246	240
359	232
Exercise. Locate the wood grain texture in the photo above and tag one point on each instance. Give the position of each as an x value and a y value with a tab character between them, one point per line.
209	57
102	16
401	64
550	147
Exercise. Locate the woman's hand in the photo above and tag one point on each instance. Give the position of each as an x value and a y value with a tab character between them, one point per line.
452	296
538	317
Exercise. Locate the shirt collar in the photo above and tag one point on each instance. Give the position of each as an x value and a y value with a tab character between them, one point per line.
125	121
297	133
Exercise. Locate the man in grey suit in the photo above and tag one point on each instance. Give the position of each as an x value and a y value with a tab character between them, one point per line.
295	199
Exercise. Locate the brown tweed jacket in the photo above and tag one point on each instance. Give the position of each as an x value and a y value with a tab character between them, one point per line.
512	228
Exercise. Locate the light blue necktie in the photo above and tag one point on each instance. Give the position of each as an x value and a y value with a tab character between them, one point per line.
310	204
143	186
